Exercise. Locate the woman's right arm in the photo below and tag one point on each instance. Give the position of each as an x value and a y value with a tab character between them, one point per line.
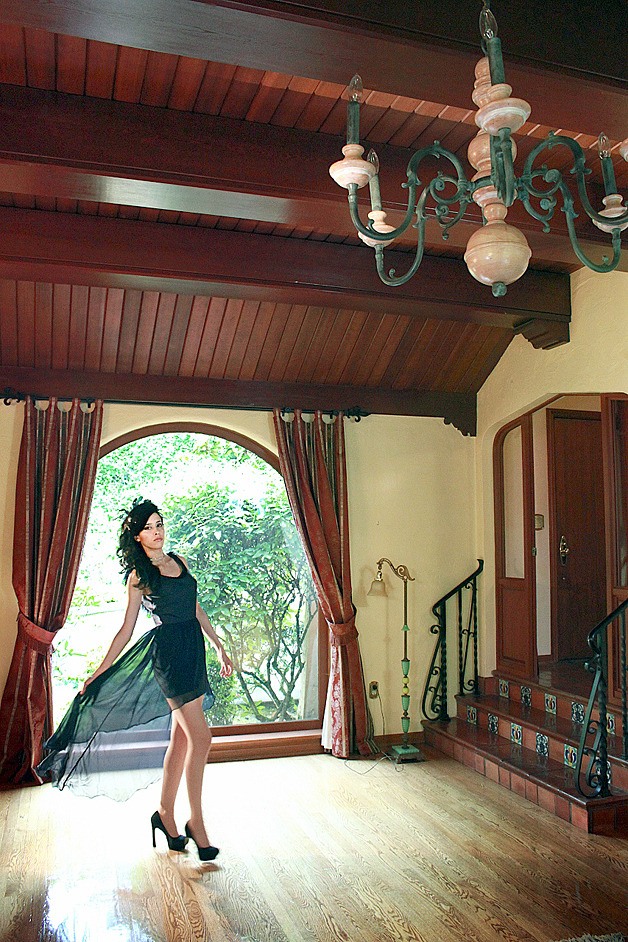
122	638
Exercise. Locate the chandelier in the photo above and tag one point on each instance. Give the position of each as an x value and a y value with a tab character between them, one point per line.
496	254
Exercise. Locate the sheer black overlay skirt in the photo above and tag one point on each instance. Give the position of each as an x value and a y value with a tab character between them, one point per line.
113	737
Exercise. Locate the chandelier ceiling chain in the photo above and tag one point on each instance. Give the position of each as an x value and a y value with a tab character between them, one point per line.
498	253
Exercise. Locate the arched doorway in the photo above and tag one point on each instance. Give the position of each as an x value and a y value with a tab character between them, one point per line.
560	529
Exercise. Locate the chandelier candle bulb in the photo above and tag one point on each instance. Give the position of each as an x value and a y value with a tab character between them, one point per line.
376	199
608	172
492	44
353	110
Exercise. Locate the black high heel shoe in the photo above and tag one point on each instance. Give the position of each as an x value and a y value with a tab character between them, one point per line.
174	843
204	853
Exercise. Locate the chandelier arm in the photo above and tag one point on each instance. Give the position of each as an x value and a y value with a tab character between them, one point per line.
605	265
464	188
548	203
390	278
579	170
546	197
461	196
369	231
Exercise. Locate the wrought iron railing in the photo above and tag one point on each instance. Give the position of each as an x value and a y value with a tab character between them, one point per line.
593	748
434	703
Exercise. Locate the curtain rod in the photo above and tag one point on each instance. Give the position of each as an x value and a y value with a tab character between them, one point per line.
10	395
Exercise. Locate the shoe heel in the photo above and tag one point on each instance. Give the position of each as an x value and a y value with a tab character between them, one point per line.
204	853
174	843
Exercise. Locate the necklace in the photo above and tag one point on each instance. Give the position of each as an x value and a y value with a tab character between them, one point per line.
158	560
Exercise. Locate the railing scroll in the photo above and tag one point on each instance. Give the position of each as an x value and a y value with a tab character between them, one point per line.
434	704
594	780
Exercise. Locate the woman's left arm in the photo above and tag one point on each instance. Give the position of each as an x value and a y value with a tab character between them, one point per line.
226	667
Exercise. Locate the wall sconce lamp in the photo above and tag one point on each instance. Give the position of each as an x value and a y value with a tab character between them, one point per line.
404	752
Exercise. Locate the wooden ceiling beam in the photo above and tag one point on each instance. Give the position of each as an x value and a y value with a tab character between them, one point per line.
88	250
458	409
69	147
424	55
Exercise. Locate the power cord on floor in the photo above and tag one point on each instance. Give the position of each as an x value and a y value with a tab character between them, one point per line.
398	768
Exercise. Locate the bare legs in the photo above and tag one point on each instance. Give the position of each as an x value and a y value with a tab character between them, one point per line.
174	762
190	742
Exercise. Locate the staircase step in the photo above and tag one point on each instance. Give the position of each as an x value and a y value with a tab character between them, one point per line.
540	779
536	730
560	703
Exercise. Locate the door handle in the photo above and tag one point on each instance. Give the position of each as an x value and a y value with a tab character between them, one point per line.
563	550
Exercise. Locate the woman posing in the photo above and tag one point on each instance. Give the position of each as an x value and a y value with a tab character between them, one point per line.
172	654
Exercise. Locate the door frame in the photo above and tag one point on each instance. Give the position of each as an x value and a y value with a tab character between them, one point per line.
528	666
616	594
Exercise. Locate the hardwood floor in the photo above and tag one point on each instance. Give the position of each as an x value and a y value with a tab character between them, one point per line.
313	850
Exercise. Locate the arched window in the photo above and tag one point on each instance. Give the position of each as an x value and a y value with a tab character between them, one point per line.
227	514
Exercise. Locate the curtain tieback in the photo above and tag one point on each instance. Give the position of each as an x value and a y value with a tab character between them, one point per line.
343	633
33	636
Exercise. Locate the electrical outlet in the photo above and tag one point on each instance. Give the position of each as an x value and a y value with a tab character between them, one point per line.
373	690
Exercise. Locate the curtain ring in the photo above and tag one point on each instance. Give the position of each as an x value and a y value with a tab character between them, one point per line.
64	406
88	406
42	404
307	417
287	415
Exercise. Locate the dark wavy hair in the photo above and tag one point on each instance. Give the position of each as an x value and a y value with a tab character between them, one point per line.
131	553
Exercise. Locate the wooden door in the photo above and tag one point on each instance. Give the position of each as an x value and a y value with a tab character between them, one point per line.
577	531
615	455
513	470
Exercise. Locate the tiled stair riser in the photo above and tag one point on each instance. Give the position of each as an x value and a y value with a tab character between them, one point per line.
560	746
564	701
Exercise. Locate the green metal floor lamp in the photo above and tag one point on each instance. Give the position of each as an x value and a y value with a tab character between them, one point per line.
405	751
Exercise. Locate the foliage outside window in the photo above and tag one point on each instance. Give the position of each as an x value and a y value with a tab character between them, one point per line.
227	514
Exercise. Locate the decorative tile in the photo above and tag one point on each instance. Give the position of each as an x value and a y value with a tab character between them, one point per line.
610	723
516	734
577	712
526	696
493	723
571	755
542	744
472	715
504	688
550	703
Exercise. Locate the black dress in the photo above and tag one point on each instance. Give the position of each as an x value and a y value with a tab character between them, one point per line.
122	722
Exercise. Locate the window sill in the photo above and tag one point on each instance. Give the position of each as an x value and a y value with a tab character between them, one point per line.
266	745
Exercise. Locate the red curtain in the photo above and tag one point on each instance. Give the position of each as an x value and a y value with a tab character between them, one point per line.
55	483
312	461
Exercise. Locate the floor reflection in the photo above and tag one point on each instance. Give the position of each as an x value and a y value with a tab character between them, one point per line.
79	911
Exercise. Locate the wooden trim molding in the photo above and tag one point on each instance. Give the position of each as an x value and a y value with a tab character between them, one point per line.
200	428
457	409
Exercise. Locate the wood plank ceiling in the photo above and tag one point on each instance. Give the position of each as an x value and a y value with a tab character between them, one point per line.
169	231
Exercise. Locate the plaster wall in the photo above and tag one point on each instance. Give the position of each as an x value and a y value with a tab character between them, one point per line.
411	494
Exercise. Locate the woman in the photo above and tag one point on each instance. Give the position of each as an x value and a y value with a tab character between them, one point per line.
175	652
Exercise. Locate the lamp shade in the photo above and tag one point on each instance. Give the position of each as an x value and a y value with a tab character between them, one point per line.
378	587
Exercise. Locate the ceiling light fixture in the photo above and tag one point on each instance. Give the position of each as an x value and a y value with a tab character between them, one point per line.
496	254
